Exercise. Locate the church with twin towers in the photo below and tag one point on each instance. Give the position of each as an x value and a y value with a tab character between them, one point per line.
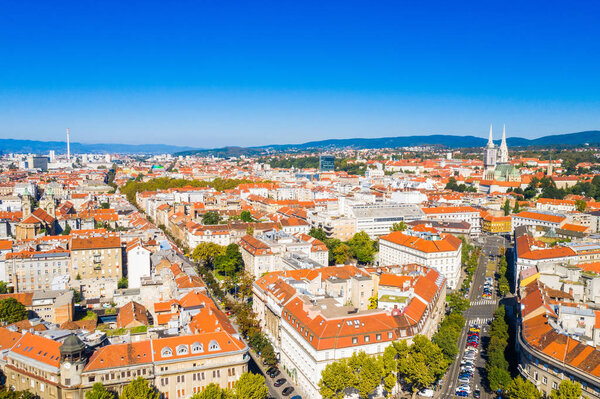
496	163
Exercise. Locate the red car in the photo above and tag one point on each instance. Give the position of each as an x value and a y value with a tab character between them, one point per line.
473	344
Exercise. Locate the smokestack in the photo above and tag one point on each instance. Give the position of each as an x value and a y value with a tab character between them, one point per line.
68	147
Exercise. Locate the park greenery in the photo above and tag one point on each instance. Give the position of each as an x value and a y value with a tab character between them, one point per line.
360	248
312	162
414	367
546	188
139	389
132	187
461	188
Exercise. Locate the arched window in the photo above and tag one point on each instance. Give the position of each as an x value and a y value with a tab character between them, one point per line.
182	350
166	352
197	347
213	346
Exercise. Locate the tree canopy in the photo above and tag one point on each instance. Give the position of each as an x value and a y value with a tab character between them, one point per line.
12	311
139	389
99	391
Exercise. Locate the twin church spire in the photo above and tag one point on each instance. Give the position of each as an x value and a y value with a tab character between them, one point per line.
502	152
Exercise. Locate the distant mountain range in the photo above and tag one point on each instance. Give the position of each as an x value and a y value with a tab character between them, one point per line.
450	141
60	147
445	140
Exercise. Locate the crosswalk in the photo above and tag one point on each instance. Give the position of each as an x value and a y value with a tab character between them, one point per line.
483	302
481	320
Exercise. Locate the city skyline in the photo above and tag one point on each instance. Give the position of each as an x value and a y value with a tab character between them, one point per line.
209	76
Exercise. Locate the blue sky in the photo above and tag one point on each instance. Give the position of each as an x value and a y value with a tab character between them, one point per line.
214	73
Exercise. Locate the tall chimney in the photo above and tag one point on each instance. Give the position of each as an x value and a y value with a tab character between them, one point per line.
68	147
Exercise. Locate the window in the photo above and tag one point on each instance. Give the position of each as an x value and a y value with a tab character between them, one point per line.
166	352
197	347
544	380
378	337
554	385
355	340
213	346
367	338
182	350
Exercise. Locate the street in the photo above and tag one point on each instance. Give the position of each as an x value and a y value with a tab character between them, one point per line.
480	312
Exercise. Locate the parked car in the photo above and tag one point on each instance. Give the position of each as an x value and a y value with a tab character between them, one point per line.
477	394
428	393
274	373
287	391
462	393
296	397
464	380
280	382
464	387
473	344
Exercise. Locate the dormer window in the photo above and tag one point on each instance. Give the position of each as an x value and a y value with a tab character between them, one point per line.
166	352
213	346
182	350
197	347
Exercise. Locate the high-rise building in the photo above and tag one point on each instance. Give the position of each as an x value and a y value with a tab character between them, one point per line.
326	163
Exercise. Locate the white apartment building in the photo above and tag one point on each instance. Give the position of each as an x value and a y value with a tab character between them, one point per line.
442	253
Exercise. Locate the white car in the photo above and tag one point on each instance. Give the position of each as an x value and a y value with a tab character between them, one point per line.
464	387
428	393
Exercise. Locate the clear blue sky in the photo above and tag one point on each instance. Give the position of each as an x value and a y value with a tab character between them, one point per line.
216	73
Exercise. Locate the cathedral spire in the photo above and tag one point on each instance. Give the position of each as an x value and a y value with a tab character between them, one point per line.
503	152
490	143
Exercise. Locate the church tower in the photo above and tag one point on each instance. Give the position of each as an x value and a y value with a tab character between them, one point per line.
489	158
503	152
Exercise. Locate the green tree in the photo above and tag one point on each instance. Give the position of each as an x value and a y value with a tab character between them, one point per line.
506	207
362	248
373	302
213	391
456	302
318	233
246	216
336	378
503	285
98	391
251	386
567	390
12	311
399	226
207	252
368	371
250	230
498	378
231	262
580	205
390	369
139	389
3	287
516	209
341	254
67	230
446	338
123	283
522	389
211	217
423	364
